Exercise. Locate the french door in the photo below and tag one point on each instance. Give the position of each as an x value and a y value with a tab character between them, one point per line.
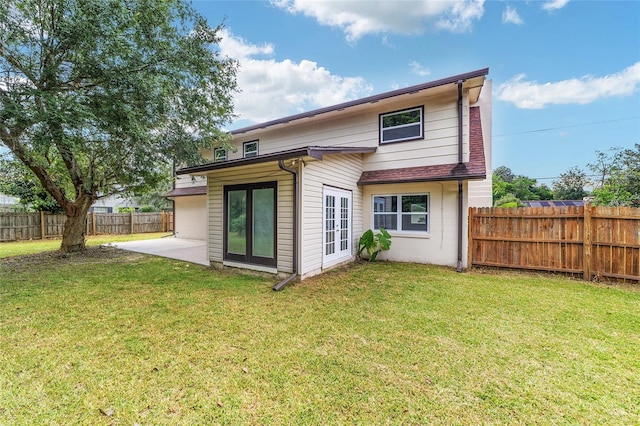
250	223
336	232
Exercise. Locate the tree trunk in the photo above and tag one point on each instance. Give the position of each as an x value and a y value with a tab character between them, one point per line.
75	227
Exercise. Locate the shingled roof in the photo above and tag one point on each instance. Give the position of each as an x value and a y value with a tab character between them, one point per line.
475	168
189	190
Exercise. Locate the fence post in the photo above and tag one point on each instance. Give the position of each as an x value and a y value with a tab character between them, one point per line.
93	222
131	213
42	227
586	248
470	239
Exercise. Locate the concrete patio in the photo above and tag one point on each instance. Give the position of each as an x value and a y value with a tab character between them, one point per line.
194	251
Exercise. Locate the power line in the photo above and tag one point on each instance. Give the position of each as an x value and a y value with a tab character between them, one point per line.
548	129
557	177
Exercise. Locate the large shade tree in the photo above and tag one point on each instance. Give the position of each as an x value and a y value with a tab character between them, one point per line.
97	95
570	185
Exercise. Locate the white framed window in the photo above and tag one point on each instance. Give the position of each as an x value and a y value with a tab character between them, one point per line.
250	149
402	125
401	212
219	154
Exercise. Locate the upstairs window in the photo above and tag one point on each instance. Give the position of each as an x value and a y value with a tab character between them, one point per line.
250	149
219	154
402	125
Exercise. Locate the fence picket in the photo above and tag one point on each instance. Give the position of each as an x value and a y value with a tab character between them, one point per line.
590	241
38	225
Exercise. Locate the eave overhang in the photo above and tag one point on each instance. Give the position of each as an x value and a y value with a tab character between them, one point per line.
473	82
317	152
185	192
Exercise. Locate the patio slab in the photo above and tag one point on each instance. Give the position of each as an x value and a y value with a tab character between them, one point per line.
194	251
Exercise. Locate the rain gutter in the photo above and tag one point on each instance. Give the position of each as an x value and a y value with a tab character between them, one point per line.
293	276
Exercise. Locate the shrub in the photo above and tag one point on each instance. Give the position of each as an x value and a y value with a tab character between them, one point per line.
374	243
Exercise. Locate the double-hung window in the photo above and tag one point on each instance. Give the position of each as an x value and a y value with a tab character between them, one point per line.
402	125
250	149
401	212
219	154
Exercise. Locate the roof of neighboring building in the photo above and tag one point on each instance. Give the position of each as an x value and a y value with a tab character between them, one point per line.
474	169
375	98
553	203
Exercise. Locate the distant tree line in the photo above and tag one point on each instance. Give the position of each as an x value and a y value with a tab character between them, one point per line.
615	179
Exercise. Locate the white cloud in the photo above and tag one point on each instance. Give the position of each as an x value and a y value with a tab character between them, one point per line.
358	18
511	16
584	90
419	69
554	4
461	16
273	89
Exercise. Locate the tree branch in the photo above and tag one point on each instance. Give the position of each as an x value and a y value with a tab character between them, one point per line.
10	140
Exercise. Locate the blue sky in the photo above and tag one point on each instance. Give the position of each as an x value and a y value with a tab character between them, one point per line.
566	74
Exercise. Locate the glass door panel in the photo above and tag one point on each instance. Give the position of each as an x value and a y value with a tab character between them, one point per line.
237	222
250	229
336	225
329	225
263	222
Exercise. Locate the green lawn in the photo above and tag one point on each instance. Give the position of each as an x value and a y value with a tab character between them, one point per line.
116	337
17	248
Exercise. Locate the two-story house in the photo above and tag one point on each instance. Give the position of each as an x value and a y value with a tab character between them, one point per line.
299	191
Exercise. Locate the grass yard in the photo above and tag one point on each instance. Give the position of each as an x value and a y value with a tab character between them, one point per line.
17	248
113	337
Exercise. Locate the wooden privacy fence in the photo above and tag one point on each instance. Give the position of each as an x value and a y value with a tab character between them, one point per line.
39	225
589	241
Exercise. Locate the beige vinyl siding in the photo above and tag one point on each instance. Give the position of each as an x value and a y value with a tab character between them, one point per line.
267	172
187	181
336	171
191	217
354	130
480	193
361	129
440	143
440	245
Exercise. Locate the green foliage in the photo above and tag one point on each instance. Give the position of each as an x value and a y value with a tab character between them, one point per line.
619	177
238	224
100	96
508	200
126	209
153	196
18	181
570	185
147	209
504	173
374	243
543	192
516	188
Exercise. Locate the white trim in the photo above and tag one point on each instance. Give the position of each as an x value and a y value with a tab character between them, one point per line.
248	154
400	213
338	254
215	155
419	123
